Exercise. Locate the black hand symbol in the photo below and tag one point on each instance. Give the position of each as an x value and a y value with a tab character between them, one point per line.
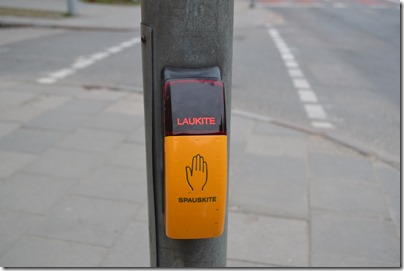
197	176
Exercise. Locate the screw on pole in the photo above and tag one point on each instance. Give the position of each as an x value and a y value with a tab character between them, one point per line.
184	34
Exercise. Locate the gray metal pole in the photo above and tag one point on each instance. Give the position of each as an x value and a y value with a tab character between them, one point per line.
183	34
72	7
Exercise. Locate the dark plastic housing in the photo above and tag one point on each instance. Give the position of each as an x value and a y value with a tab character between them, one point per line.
194	102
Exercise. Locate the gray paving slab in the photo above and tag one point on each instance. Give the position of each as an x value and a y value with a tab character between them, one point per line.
143	215
92	140
58	120
276	146
29	140
116	183
30	190
279	198
100	94
13	98
390	180
128	155
237	263
138	136
353	238
84	106
131	248
270	240
236	154
32	251
265	128
115	122
49	101
326	260
342	167
22	113
11	162
273	168
7	127
63	163
241	128
87	220
14	224
348	196
132	104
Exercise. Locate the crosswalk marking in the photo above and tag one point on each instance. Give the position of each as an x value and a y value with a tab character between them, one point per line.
314	110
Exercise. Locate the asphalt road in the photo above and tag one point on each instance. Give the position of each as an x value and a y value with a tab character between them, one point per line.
330	66
348	55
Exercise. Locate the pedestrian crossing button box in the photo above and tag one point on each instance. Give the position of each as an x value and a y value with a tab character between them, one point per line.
195	153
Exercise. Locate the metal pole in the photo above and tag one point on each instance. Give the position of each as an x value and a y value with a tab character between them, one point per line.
72	7
183	34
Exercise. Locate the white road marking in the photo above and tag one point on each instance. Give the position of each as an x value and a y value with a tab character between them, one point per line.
46	80
307	96
322	124
313	108
99	56
287	56
291	64
295	72
300	83
315	111
115	49
83	62
61	73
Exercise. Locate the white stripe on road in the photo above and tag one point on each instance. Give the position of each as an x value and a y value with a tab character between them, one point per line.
84	62
300	83
314	110
322	124
295	72
307	96
291	64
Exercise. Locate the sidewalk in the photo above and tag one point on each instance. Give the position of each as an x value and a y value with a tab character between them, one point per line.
90	16
73	184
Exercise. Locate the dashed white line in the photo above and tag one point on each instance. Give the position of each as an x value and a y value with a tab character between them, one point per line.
46	80
314	110
61	73
115	49
291	64
287	56
295	72
322	124
300	83
307	96
83	62
99	56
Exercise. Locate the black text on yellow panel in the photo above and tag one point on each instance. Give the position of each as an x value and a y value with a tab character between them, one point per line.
195	158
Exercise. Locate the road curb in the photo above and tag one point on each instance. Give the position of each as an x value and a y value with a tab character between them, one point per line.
10	23
361	150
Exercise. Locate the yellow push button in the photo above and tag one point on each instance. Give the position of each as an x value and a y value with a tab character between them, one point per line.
195	186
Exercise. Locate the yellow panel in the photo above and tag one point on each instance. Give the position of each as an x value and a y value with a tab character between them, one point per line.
195	186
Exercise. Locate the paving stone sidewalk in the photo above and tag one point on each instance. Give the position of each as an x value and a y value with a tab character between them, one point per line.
73	179
73	188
